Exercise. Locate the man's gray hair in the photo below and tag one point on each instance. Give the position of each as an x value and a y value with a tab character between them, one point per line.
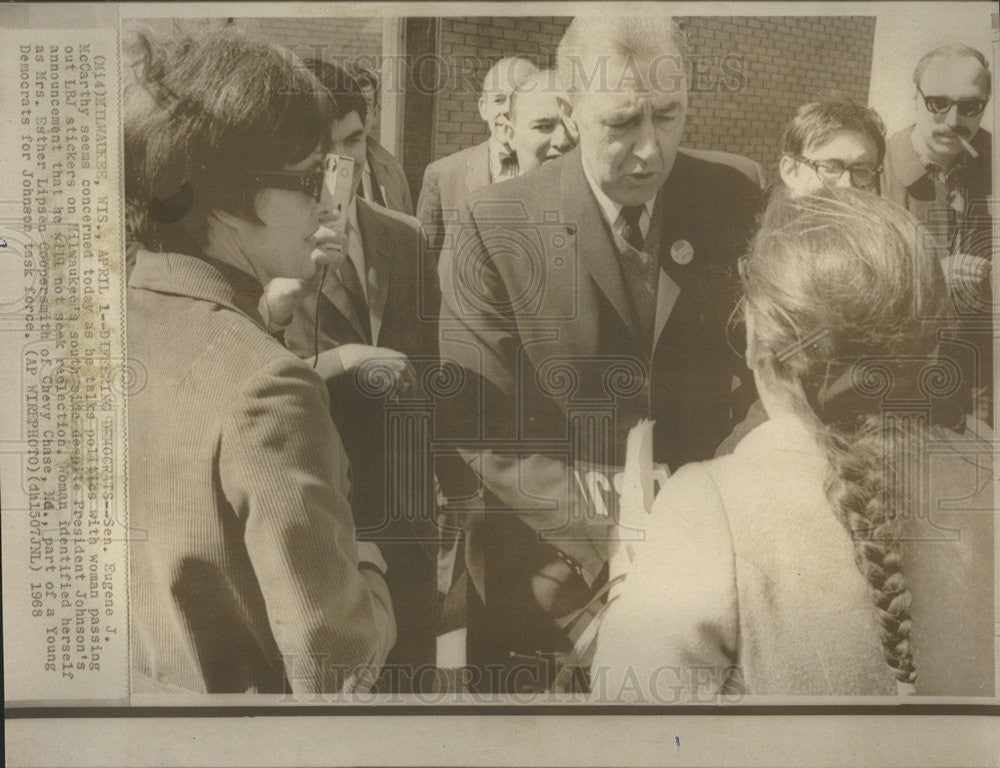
590	42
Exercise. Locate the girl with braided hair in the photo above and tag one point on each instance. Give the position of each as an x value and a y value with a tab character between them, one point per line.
846	546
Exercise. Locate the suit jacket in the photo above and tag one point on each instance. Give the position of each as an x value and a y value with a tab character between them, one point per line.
239	481
747	574
535	309
447	184
409	318
392	518
749	168
391	178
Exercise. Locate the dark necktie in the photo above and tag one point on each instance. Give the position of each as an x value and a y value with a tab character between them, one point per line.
641	274
631	232
508	167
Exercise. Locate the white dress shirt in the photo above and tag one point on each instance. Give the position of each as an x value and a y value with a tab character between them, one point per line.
613	211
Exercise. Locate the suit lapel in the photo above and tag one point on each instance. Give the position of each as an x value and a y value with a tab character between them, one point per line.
336	293
658	242
379	254
478	174
595	244
677	221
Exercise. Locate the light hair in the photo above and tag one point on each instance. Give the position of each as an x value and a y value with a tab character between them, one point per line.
952	51
542	80
591	41
508	73
843	276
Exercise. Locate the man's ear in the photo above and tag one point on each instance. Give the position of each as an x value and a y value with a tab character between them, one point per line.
482	107
788	168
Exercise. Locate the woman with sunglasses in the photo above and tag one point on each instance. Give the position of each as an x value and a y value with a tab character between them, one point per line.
845	547
246	576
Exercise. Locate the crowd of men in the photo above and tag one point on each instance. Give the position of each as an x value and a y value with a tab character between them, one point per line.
579	267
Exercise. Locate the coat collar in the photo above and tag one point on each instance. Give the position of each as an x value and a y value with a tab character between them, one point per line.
593	236
909	168
178	274
597	246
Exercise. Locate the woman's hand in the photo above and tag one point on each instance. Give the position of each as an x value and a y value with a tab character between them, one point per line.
283	294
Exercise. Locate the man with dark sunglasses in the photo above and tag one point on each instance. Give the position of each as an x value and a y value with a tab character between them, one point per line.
939	169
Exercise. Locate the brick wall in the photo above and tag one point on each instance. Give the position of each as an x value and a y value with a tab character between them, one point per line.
305	37
468	48
782	62
329	38
752	73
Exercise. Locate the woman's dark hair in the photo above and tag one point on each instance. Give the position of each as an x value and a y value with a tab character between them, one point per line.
847	303
202	114
342	86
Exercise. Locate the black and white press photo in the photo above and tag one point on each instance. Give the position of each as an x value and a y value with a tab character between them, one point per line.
548	359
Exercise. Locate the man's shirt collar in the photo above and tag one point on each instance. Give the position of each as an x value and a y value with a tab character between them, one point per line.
612	210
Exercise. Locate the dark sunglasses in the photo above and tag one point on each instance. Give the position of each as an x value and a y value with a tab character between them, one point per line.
307	182
940	105
862	174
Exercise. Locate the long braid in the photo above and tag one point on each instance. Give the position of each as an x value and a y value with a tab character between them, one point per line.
846	302
861	490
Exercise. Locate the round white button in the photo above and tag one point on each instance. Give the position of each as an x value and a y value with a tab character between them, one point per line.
682	252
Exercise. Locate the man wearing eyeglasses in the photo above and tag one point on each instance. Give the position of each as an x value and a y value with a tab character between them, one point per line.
828	143
832	143
939	169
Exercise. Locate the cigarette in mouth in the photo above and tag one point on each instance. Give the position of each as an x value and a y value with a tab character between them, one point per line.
968	146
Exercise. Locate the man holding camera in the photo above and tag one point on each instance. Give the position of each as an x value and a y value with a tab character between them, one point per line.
582	297
368	313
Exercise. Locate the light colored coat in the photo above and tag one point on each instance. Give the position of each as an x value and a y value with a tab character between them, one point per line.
447	184
746	582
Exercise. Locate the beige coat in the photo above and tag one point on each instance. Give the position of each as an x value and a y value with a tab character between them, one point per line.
746	582
244	566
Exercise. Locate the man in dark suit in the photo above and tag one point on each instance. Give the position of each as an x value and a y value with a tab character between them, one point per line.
450	180
376	314
383	181
580	298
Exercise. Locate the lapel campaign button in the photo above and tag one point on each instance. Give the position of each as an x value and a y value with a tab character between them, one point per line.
682	252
